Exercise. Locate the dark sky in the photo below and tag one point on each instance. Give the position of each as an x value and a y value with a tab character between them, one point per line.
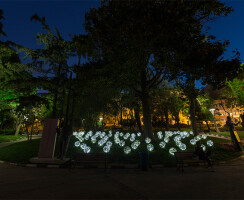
68	17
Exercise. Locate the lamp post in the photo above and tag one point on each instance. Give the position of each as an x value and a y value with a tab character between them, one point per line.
215	125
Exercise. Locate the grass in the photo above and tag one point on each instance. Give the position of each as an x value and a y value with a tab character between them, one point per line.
227	133
9	138
21	152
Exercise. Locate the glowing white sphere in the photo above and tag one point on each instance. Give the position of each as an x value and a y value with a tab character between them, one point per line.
177	138
75	133
93	140
127	150
139	134
204	136
77	144
193	141
110	134
117	140
166	139
135	144
122	143
182	146
121	134
126	136
87	137
132	139
210	143
191	133
172	150
147	140
203	147
83	146
106	149
101	142
178	143
150	147
109	144
162	144
133	135
80	134
198	137
87	149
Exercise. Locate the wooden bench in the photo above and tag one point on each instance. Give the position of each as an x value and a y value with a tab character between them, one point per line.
186	158
91	158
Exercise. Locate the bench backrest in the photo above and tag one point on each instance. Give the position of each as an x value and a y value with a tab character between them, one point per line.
90	156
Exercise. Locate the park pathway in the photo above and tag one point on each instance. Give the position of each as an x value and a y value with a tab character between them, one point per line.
162	183
4	144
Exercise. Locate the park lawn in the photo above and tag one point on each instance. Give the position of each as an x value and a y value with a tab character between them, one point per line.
227	134
9	138
21	152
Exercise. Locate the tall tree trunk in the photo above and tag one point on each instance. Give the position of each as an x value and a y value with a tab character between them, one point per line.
166	114
55	100
207	125
137	116
68	99
147	117
177	119
18	124
192	116
215	125
146	106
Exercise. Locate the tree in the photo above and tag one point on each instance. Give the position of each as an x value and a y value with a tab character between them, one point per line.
139	40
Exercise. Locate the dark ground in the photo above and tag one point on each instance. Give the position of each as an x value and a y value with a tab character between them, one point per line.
227	182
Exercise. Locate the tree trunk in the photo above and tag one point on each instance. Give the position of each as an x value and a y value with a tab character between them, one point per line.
192	116
166	114
146	106
146	116
55	100
207	125
215	125
177	119
137	116
18	125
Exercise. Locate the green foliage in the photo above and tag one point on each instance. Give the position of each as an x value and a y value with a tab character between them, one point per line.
236	91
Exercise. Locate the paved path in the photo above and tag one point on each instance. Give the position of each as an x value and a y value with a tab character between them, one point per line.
4	144
166	183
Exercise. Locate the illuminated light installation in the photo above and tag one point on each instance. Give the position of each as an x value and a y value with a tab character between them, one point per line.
77	144
162	144
172	150
210	143
106	149
193	141
147	140
127	150
203	147
166	139
182	147
105	139
204	137
87	149
132	139
150	147
122	143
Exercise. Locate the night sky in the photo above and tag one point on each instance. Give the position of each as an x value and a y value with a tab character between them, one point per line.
68	17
